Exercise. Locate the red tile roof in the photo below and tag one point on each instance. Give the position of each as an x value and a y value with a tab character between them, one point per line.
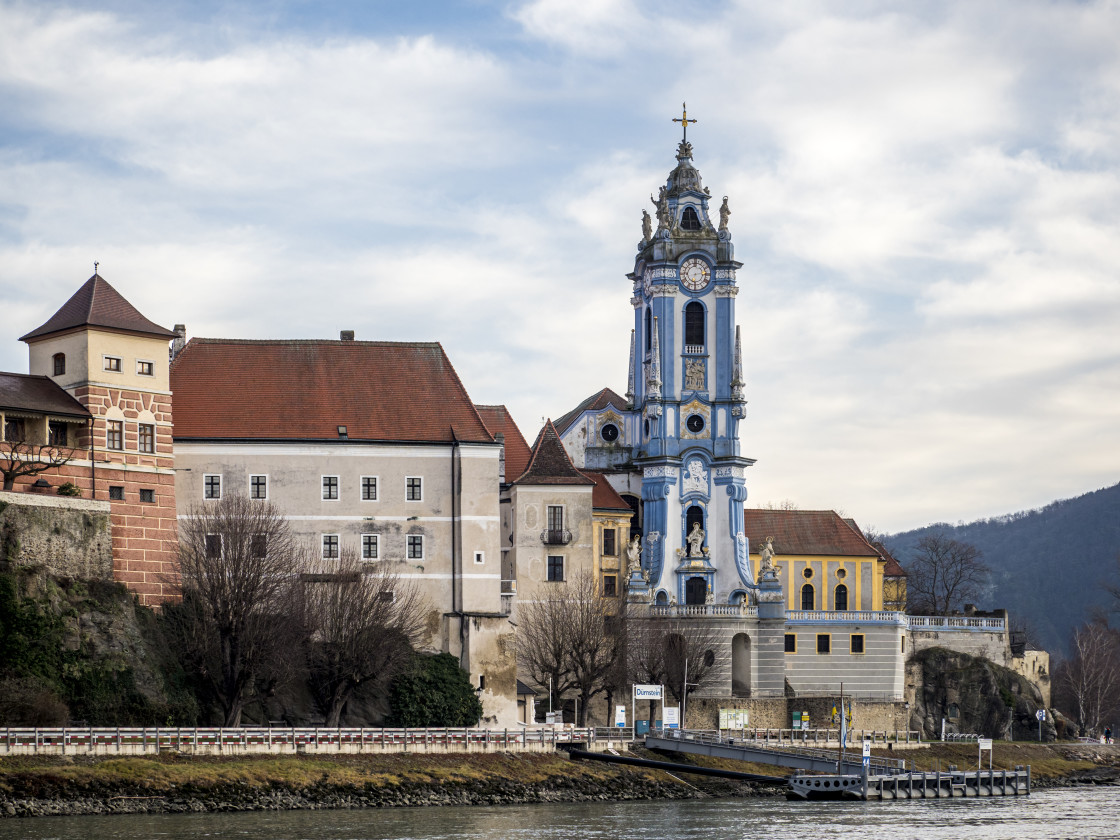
549	463
498	420
38	394
236	389
893	567
605	497
805	532
596	402
97	304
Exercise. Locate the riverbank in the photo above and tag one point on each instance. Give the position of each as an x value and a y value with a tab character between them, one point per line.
176	784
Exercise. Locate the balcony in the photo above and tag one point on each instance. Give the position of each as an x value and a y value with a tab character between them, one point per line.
694	349
557	536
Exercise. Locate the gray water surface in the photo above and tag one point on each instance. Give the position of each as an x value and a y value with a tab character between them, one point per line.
1045	815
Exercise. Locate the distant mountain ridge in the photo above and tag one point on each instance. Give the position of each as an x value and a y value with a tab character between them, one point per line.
1047	564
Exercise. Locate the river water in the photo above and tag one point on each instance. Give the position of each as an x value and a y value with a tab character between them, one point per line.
1091	812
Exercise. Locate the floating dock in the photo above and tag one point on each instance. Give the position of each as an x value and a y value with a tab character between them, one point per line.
913	785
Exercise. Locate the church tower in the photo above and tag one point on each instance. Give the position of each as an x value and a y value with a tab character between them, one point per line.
686	397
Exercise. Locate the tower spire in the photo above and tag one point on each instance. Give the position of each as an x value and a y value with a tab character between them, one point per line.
684	121
653	378
737	374
630	378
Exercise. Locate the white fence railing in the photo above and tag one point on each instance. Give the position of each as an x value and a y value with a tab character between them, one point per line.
700	610
954	622
858	616
244	740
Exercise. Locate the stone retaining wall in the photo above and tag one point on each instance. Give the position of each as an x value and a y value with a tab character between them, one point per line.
68	537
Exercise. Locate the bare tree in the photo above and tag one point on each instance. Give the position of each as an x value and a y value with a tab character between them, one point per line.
20	458
663	650
1089	682
542	644
238	559
361	625
943	574
570	641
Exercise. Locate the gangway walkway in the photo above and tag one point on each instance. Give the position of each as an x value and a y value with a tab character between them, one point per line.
700	742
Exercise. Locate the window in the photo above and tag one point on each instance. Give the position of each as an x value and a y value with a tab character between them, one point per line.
689	219
610	586
145	368
807	596
147	495
841	600
555	568
415	547
903	640
59	363
213	546
610	548
824	643
649	330
414	489
114	434
694	327
116	494
211	486
258	546
791	643
258	487
480	558
609	433
330	546
330	488
13	428
112	363
555	518
369	546
369	488
58	434
856	645
147	437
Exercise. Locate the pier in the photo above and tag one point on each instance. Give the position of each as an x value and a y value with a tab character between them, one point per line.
914	785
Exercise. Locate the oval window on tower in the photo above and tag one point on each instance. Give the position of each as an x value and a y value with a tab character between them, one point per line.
609	432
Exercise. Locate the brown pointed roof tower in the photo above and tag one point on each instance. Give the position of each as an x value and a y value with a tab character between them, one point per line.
550	464
97	304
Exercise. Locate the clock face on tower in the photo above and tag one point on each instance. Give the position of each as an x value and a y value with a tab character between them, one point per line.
695	274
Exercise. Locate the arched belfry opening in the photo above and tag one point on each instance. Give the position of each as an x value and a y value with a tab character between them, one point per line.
694	324
690	220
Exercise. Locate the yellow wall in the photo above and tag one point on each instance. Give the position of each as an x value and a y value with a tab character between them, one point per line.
85	350
862	594
611	564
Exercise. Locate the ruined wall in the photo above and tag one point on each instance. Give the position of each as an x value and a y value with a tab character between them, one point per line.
776	713
68	537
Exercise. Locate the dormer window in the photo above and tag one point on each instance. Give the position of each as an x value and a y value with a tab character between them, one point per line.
689	219
59	363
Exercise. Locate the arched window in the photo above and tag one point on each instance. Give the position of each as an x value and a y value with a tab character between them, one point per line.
693	516
694	324
841	603
689	219
649	330
59	363
807	599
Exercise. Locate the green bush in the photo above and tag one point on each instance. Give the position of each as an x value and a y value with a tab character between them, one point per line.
69	489
435	691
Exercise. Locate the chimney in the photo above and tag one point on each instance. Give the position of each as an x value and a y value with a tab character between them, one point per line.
500	438
346	335
179	341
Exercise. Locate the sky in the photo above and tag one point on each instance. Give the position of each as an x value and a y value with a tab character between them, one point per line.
925	198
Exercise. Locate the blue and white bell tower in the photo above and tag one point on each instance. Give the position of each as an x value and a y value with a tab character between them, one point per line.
686	392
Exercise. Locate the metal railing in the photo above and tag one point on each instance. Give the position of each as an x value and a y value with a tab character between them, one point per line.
716	738
556	536
819	736
152	740
961	736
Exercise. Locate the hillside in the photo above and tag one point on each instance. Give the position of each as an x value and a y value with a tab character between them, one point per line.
1047	565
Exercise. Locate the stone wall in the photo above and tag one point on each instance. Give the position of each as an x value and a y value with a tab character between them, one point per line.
776	713
989	644
68	537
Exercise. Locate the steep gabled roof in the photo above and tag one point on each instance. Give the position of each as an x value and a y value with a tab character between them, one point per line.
38	394
605	497
498	420
596	402
893	567
549	462
805	532
97	304
238	389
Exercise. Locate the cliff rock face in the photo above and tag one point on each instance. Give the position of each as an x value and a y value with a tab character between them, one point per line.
973	695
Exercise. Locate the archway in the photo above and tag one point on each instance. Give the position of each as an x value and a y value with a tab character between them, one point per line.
741	665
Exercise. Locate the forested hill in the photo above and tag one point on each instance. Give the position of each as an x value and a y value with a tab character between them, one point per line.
1048	565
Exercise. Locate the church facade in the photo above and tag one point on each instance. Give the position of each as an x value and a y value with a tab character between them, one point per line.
795	598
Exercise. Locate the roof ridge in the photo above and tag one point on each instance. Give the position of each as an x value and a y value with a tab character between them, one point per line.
348	342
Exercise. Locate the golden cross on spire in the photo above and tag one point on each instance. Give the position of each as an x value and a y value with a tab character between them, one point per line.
684	120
